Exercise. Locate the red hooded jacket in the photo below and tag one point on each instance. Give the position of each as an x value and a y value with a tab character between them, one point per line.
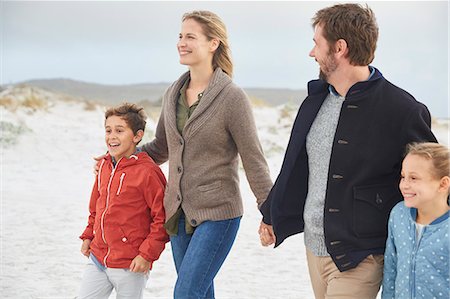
126	211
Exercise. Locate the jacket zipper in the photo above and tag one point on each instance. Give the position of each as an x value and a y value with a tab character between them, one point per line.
413	262
106	209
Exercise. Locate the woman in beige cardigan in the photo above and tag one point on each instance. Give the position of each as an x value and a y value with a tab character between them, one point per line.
206	121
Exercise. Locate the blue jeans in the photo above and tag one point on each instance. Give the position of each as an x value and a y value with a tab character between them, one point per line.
198	257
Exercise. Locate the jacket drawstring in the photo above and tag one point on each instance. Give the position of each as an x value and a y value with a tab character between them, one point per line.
120	184
100	173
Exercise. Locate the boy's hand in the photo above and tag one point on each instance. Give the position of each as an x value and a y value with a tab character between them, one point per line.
85	247
96	164
139	264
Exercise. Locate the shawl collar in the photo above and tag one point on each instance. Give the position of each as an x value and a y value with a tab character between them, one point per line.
218	82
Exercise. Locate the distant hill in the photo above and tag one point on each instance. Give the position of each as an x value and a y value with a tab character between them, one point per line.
102	93
152	92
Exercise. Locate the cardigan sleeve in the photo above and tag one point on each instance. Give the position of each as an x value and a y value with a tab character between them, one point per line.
157	148
241	125
390	262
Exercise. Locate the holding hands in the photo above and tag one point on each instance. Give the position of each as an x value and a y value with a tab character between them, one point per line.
266	234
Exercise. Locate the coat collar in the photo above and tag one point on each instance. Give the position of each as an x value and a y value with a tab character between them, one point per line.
319	86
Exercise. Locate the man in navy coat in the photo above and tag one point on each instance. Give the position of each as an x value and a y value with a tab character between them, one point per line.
339	178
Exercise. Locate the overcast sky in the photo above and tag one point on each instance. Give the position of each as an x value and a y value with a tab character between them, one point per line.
134	42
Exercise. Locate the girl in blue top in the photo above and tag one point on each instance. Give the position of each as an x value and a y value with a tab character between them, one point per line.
416	261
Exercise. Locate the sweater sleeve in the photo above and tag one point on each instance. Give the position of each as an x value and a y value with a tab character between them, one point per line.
390	262
266	205
152	247
157	148
241	125
89	230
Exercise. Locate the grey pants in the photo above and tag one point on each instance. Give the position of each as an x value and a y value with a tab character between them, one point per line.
98	283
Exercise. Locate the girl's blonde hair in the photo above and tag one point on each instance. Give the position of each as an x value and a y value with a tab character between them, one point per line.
214	28
437	153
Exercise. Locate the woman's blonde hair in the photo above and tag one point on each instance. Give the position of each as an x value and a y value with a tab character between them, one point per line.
437	153
214	28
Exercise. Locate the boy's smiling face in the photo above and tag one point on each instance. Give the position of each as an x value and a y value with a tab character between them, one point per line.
119	137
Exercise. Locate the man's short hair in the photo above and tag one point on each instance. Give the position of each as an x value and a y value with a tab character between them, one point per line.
353	23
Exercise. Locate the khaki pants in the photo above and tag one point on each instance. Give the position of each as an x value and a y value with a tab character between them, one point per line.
362	282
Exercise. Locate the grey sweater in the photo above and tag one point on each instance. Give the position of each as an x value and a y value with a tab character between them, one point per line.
319	143
203	160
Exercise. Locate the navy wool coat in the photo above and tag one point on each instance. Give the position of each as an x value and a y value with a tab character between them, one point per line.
376	122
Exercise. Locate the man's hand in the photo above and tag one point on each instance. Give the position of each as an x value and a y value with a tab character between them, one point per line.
266	234
86	247
139	264
96	164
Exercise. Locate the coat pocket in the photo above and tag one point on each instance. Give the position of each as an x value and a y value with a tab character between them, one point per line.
209	187
121	244
371	207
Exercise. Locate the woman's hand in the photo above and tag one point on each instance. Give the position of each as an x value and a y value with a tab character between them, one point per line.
99	158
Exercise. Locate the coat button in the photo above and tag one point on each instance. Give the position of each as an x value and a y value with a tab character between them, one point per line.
178	197
181	141
180	169
378	199
124	239
194	222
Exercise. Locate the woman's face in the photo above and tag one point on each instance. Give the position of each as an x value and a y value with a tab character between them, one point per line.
193	46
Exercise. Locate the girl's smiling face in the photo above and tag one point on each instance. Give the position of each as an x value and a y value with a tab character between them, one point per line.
418	184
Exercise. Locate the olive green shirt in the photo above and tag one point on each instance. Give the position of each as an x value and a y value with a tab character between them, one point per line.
183	109
183	114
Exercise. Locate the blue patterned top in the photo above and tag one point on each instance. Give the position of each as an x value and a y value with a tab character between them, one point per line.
416	267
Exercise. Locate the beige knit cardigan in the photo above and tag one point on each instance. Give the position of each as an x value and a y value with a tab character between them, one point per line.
203	160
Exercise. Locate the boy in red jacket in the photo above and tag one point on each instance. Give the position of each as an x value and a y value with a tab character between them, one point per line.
125	232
